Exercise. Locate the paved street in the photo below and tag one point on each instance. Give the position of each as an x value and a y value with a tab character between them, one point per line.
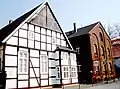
111	85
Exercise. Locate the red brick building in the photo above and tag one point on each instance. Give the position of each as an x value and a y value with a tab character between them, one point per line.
95	55
116	55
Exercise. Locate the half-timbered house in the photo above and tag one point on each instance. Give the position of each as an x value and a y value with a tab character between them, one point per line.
35	52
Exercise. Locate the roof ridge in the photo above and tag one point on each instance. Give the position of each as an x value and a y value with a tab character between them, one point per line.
89	25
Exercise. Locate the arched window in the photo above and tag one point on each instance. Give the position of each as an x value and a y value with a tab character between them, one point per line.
108	52
101	36
102	51
95	49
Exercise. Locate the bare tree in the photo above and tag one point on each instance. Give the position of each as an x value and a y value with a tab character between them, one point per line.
114	30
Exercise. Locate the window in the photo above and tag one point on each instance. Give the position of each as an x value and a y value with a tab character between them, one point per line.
108	52
64	56
23	61
79	69
101	37
96	66
44	63
73	71
65	72
95	49
78	50
110	66
102	52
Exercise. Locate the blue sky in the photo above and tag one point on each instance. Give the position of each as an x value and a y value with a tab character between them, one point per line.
82	12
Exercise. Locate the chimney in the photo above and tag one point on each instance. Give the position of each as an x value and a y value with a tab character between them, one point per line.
10	21
74	25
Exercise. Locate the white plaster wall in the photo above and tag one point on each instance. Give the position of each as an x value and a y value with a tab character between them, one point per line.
48	39
43	46
33	82
37	36
43	30
58	35
37	29
22	33
34	53
49	32
43	38
31	43
67	81
13	41
43	76
74	80
44	82
16	33
11	50
49	47
22	77
37	45
58	41
24	26
12	83
31	27
22	84
10	60
32	74
53	47
11	72
35	62
22	42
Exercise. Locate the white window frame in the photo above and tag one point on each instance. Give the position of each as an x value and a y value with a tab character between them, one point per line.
96	65
65	70
43	64
73	71
22	65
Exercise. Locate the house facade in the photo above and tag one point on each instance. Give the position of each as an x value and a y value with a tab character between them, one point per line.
116	55
94	53
35	52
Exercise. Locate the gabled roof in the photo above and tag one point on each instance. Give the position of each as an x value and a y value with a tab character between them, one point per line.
83	30
8	30
5	31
